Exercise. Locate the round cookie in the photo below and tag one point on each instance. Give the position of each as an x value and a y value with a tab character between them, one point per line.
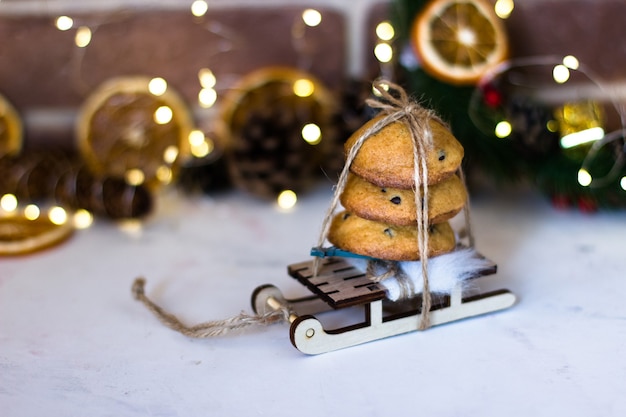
386	157
384	241
397	206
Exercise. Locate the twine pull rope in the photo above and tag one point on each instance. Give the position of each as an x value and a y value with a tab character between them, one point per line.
417	119
210	328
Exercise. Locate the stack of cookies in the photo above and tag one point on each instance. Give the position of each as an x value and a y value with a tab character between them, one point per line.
380	217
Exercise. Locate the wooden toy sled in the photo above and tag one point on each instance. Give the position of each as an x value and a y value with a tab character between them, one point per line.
339	285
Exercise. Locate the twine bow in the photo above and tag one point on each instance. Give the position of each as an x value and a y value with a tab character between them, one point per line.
417	120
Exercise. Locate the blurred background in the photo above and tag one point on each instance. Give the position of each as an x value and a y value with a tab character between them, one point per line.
105	103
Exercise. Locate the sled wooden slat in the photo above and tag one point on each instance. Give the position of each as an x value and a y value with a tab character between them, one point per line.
338	283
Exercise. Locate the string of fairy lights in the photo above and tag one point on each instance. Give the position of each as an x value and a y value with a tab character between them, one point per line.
201	145
589	133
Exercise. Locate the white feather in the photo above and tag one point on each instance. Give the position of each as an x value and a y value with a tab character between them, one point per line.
444	272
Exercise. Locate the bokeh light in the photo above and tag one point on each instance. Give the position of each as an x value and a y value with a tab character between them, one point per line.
303	87
57	215
8	202
32	212
64	23
504	8
199	8
385	31
503	129
157	86
312	133
163	115
311	17
287	199
383	52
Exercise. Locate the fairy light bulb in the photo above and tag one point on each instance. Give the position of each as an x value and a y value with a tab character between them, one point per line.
385	31
383	52
571	62
83	37
134	176
8	202
622	183
312	133
303	87
163	115
64	23
311	17
164	174
207	78
207	97
82	219
584	177
503	129
57	215
560	73
377	93
157	86
196	137
504	8
32	212
170	154
199	8
287	199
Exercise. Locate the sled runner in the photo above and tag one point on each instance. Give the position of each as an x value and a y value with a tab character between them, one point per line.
339	285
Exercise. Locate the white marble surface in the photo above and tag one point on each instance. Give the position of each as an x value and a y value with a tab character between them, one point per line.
73	342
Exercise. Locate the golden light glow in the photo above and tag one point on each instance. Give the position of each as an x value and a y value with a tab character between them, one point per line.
57	215
384	87
311	17
202	149
64	23
504	8
503	129
163	115
622	183
207	78
82	219
83	37
312	133
32	212
8	202
207	97
303	87
571	62
131	227
170	154
383	52
560	73
196	137
584	177
385	31
164	174
287	199
157	86
466	36
199	8
134	176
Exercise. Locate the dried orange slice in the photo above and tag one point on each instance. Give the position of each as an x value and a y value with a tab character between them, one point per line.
128	129
458	41
21	234
10	129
